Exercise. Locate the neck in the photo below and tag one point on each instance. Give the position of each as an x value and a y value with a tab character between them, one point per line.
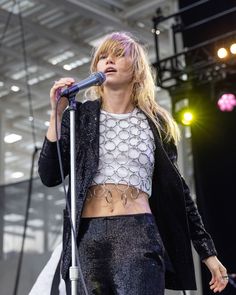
117	100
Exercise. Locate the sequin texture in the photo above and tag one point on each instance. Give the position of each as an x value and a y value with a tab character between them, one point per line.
121	255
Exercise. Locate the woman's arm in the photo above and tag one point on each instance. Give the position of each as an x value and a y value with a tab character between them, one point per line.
48	164
201	239
49	169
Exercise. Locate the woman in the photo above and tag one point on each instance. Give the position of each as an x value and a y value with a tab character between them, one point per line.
135	215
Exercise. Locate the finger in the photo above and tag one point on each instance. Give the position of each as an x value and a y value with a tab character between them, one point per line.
57	87
223	283
213	286
212	280
219	285
224	278
218	275
61	84
219	289
65	80
214	276
216	280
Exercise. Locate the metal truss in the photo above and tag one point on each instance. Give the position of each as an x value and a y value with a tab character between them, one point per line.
198	64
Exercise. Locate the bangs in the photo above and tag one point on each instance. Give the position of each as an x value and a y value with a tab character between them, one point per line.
113	47
117	44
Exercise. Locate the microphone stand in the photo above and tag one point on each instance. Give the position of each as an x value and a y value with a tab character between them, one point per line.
73	272
95	79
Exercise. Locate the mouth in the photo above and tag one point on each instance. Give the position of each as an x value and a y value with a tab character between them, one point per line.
110	70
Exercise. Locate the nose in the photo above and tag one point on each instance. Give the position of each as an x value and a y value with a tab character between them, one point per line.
110	59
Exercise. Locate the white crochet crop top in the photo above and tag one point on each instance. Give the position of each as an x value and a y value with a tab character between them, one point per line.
126	150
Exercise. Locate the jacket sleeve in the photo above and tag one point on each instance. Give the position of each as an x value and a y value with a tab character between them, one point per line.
201	239
48	164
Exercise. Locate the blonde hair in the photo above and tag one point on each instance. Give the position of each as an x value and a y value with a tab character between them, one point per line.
143	93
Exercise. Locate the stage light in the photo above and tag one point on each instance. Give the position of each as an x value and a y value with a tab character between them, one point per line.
227	102
187	117
156	31
233	48
222	52
183	113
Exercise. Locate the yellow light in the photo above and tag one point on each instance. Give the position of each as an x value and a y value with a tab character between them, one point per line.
222	52
233	48
187	118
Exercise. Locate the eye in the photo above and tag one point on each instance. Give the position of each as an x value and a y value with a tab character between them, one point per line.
119	53
102	56
123	56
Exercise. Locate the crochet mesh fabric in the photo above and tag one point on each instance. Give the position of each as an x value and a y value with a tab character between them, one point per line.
126	153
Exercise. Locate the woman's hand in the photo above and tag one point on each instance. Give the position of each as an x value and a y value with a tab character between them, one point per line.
54	93
219	276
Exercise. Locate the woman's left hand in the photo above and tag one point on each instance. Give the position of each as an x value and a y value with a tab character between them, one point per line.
219	276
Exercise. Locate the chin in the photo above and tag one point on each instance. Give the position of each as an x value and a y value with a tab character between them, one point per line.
111	81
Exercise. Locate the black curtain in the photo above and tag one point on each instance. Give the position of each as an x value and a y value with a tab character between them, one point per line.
214	154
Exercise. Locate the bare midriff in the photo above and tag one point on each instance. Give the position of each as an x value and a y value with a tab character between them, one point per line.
114	200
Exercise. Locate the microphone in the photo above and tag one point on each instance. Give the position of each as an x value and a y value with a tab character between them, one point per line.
94	79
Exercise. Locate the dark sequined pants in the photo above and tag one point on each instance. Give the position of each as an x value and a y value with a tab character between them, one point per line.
121	255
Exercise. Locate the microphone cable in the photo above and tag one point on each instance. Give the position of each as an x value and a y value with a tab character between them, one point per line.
68	209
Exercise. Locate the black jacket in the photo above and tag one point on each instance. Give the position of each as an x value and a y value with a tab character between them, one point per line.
175	212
